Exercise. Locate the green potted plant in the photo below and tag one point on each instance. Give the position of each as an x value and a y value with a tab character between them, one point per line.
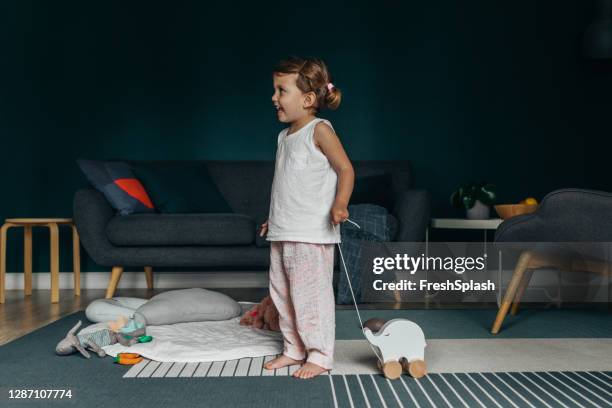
476	198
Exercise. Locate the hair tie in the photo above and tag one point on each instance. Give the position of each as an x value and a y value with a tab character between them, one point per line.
330	86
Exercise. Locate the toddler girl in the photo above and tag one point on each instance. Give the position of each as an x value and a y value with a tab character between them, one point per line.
313	181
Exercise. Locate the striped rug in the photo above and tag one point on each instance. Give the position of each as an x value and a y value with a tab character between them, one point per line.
246	367
492	389
500	390
499	373
442	356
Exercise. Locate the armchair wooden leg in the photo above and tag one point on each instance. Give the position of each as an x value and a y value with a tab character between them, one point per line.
114	281
149	275
517	276
521	289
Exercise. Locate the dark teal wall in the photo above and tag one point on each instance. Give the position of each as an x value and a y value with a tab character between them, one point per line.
492	90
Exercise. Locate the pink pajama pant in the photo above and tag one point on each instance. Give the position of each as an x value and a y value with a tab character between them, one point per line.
301	288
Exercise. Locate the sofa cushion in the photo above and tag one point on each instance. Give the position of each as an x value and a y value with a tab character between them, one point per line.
116	181
181	229
373	189
181	188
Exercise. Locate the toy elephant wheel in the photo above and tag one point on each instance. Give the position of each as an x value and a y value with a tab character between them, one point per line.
391	369
416	368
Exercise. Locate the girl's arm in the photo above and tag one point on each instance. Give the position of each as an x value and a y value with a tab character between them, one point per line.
329	143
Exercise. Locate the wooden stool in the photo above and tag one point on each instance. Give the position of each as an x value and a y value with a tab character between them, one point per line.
52	224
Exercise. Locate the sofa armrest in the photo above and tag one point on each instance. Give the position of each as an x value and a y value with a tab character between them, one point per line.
567	215
91	214
412	208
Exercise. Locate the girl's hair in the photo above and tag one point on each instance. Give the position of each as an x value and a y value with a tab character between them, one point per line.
313	76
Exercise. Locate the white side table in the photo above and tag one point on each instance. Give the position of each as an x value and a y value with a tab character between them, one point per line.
464	223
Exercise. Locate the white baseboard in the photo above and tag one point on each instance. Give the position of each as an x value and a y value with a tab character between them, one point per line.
136	280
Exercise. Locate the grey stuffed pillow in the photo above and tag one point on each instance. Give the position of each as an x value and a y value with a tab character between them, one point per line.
188	305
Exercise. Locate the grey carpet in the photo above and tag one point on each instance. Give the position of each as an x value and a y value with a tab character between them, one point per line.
30	363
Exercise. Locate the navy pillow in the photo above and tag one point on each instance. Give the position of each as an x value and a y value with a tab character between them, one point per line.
377	189
121	188
181	188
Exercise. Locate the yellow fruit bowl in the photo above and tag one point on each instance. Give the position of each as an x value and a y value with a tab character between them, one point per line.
506	211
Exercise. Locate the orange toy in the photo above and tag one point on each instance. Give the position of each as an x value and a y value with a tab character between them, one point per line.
128	358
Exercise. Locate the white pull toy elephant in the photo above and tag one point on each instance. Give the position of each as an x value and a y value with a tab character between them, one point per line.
402	346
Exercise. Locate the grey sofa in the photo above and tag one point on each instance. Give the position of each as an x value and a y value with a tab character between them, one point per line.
222	241
570	230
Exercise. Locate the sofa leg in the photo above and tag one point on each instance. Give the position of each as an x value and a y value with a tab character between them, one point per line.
114	281
521	289
149	275
517	276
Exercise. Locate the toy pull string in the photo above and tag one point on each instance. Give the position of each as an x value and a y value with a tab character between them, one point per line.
348	278
347	275
351	221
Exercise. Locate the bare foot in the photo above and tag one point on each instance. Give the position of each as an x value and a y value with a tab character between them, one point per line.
309	370
280	362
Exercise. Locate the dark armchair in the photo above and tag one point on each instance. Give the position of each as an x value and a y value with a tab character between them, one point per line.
571	230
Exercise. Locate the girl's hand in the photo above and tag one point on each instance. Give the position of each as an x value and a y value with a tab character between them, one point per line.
339	213
264	229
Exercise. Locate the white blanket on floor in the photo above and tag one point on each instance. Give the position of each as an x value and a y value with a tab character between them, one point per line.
203	341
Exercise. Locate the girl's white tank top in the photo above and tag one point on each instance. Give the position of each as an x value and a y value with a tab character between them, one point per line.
303	190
